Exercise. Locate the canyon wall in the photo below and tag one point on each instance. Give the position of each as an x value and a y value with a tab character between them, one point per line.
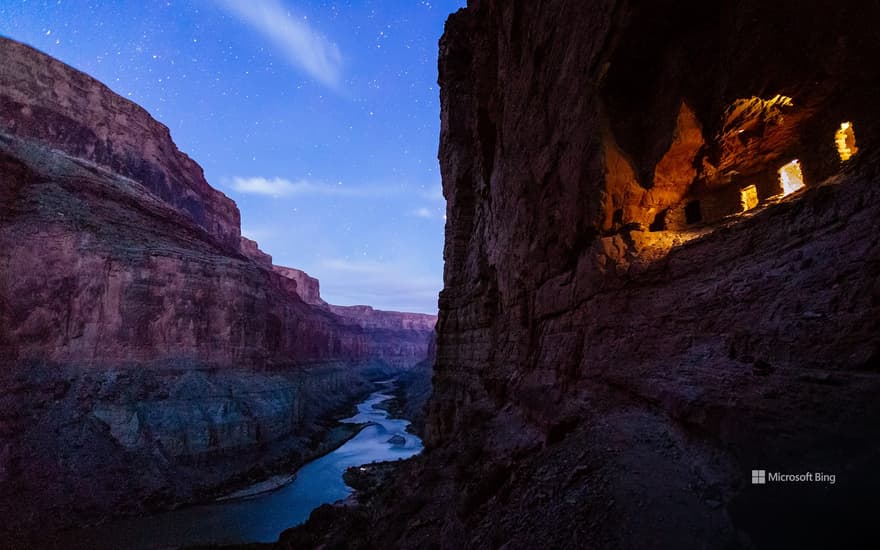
400	336
674	361
43	99
308	288
97	270
149	354
369	318
251	249
101	266
621	338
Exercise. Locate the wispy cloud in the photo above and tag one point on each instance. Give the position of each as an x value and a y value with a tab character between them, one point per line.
274	187
280	187
304	47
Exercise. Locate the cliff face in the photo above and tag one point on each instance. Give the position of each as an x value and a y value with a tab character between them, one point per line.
98	271
139	333
681	355
399	336
45	100
369	318
634	317
80	444
101	266
308	288
251	249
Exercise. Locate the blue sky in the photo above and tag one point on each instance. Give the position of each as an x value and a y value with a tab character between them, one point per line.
319	118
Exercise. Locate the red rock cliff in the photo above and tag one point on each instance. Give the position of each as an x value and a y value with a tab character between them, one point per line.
369	318
251	249
104	255
308	288
46	100
670	360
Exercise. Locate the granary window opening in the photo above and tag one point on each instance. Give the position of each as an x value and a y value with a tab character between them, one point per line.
748	197
845	138
791	177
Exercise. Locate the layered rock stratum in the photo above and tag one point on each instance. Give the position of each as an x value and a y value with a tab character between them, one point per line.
149	354
620	344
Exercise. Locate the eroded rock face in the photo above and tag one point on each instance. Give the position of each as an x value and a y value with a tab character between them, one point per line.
251	249
46	100
101	267
550	323
308	288
369	318
125	277
399	336
600	385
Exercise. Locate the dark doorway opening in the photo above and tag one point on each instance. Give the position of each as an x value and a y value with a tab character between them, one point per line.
692	212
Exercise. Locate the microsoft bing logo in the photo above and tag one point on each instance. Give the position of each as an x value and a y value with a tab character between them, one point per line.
759	477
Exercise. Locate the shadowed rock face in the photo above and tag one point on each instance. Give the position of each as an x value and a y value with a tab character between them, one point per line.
561	314
81	444
399	336
148	354
602	385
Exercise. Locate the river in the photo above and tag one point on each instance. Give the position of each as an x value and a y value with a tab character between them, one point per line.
262	518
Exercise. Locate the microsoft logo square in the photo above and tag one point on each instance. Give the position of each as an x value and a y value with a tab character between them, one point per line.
759	477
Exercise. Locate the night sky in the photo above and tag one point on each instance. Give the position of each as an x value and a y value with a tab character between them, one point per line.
319	118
